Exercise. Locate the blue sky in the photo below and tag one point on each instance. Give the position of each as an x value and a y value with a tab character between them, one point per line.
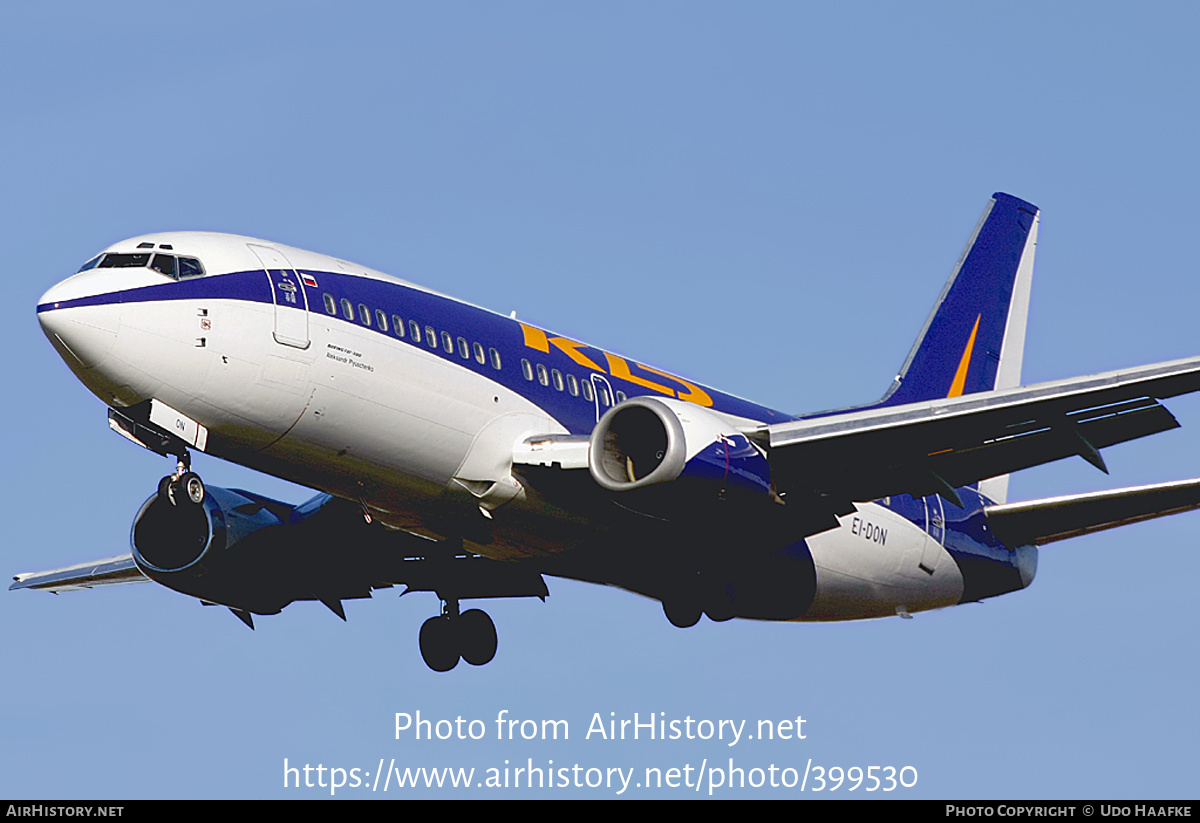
765	197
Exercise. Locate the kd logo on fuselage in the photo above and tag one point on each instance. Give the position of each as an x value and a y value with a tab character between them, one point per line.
617	367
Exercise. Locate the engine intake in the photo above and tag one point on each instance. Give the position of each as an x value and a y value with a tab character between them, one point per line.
638	443
190	548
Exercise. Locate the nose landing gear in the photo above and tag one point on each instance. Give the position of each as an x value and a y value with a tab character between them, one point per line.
184	486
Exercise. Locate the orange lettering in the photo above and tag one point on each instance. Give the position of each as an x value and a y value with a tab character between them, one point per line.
571	349
618	368
694	394
535	338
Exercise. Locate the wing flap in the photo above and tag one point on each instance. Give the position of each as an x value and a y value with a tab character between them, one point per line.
108	572
1037	522
1046	444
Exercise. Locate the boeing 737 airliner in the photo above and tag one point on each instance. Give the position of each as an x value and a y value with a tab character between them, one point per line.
465	453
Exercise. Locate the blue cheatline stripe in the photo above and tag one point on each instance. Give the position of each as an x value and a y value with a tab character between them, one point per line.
444	314
244	285
988	567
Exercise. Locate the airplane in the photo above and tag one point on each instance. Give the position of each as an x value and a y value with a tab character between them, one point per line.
472	455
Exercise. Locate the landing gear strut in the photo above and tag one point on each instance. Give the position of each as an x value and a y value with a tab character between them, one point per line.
450	636
184	486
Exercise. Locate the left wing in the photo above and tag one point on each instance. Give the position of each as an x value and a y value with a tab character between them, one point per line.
107	572
268	554
939	445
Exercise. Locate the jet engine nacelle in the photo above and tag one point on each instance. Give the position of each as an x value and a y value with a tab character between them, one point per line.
650	443
212	550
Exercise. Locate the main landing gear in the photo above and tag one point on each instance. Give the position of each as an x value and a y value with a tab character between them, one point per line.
184	487
449	636
693	597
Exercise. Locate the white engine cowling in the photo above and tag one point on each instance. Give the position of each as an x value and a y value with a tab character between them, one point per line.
646	442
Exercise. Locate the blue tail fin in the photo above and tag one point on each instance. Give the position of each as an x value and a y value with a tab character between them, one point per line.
974	339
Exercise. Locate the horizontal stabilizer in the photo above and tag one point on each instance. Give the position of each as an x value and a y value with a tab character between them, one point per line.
107	572
1037	522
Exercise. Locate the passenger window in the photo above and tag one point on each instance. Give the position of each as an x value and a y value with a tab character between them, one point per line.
347	309
364	314
464	351
587	391
431	337
479	353
447	342
621	398
572	385
398	325
526	369
543	376
330	306
556	377
381	319
495	359
414	330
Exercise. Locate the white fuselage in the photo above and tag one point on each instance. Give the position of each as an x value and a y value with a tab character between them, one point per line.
332	401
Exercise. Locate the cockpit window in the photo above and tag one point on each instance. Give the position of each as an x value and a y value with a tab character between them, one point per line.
91	264
164	264
174	267
190	267
125	261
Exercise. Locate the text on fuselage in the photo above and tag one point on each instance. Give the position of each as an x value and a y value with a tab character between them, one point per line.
868	530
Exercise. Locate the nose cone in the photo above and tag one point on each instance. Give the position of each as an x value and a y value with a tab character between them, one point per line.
81	328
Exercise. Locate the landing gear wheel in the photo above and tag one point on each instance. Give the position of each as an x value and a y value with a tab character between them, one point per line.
439	647
192	487
164	489
683	601
718	602
683	612
477	637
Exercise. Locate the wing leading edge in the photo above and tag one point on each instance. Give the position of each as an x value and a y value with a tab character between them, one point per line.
108	572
